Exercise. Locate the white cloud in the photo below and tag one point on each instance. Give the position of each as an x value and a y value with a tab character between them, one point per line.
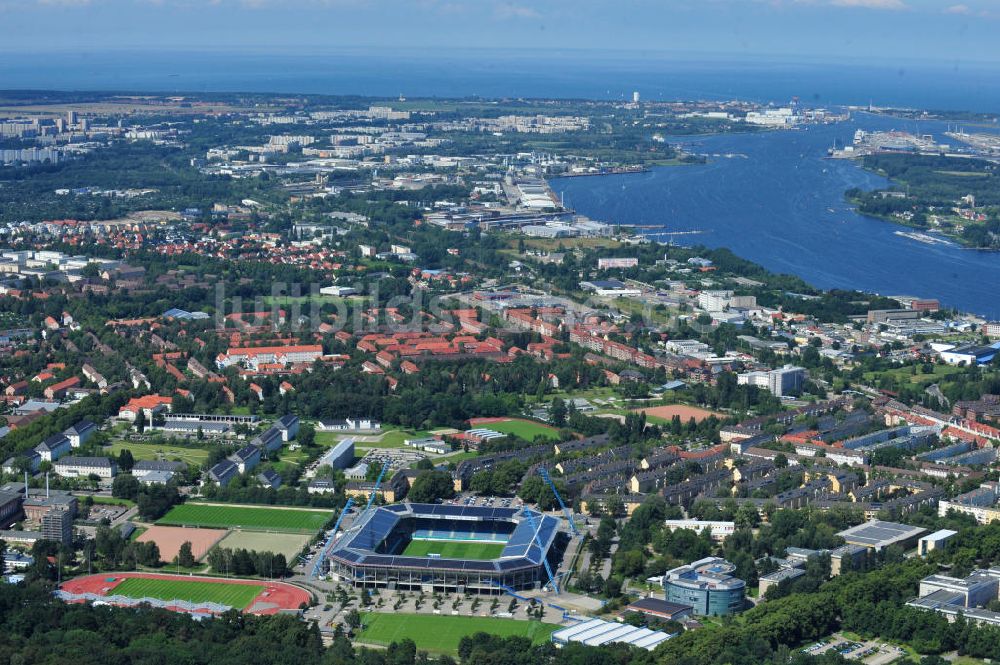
871	4
510	10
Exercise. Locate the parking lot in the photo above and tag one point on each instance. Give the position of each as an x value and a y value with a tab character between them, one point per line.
870	652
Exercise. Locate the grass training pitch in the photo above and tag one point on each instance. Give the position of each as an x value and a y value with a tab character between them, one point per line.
525	429
288	544
454	549
238	596
250	518
441	634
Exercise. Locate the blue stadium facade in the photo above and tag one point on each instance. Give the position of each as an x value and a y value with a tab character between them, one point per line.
368	555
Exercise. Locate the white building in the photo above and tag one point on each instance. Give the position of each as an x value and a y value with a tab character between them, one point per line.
82	467
720	530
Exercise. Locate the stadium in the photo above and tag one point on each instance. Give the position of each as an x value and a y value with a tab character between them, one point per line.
445	548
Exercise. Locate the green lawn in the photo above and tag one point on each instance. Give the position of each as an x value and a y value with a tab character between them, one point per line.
905	374
454	549
257	518
525	429
148	451
441	633
390	439
111	501
238	596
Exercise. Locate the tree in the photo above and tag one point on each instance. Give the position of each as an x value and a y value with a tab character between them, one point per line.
185	557
747	516
353	619
432	486
558	412
125	460
125	486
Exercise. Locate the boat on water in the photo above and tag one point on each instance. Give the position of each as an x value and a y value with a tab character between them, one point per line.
924	238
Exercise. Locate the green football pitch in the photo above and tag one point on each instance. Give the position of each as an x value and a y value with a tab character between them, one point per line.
441	633
248	518
238	596
454	549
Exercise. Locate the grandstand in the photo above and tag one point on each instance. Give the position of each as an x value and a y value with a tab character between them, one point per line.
183	606
446	548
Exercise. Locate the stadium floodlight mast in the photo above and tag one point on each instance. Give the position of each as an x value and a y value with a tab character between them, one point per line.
321	557
544	473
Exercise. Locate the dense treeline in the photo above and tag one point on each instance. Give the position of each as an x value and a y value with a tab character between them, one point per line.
247	562
933	185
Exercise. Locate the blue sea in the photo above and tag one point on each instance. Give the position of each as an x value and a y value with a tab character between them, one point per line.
524	73
773	198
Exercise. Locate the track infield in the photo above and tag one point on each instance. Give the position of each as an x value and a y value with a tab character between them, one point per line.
170	538
248	518
454	549
234	595
441	634
253	596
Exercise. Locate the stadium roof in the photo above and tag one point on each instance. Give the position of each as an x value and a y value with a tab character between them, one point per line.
877	534
359	543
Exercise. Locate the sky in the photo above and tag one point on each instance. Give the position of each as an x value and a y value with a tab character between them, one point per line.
943	31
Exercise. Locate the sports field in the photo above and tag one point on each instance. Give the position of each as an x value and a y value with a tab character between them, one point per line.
288	544
454	549
441	634
664	414
169	539
252	518
238	596
525	429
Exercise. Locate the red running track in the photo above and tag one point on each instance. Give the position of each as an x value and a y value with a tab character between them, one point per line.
273	597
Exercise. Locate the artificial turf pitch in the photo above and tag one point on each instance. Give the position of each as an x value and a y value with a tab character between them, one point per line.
441	633
251	519
238	596
454	549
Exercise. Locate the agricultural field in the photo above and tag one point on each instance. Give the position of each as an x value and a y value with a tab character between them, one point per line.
252	518
149	451
289	544
454	549
525	429
233	595
441	634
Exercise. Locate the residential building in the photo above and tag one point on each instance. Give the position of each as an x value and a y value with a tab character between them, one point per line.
269	478
719	530
340	456
79	433
53	447
246	458
57	525
223	472
82	467
288	426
